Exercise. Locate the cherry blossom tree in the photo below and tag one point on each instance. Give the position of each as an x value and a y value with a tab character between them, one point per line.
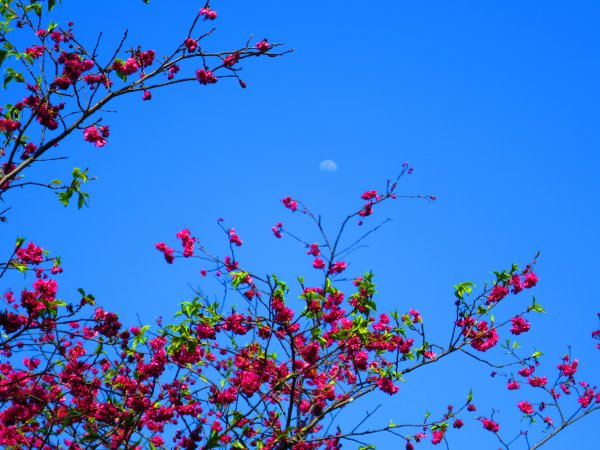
270	364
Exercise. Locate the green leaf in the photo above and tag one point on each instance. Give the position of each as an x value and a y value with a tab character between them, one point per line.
536	354
7	79
536	307
20	267
213	441
36	7
64	197
20	241
51	4
463	288
82	200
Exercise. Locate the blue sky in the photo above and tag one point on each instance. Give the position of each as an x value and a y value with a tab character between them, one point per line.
495	104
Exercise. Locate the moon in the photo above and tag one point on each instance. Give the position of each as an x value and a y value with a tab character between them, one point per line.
328	166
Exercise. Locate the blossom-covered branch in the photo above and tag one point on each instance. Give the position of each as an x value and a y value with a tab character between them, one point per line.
60	86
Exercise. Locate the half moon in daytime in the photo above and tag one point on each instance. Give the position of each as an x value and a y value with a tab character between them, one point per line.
328	166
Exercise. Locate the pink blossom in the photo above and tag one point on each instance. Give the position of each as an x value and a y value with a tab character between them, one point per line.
568	370
512	385
30	254
437	436
191	44
231	60
516	284
526	371
263	46
128	67
497	294
387	386
318	263
525	407
93	135
366	210
205	76
370	195
249	382
519	325
146	58
277	230
490	425
9	125
484	338
531	280
230	265
416	315
166	251
314	250
157	440
35	51
234	238
538	381
289	203
187	241
172	71
209	14
338	267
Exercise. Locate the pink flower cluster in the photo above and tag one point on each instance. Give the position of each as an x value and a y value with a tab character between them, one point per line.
96	135
205	76
289	203
527	280
9	125
263	46
209	14
31	254
482	337
490	425
166	251
187	241
277	229
73	67
337	267
519	325
525	407
234	238
231	60
191	45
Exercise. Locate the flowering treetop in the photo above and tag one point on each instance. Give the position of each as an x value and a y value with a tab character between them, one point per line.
271	370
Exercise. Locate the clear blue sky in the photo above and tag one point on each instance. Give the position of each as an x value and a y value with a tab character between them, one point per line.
495	104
